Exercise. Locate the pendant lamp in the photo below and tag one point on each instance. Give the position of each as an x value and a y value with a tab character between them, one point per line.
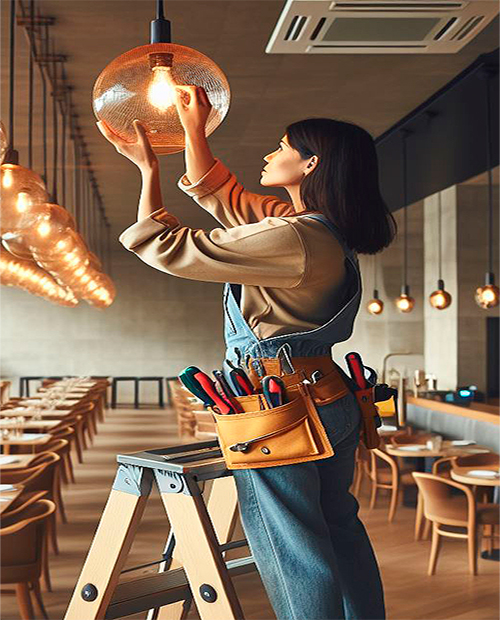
405	302
487	296
140	84
375	305
21	189
440	299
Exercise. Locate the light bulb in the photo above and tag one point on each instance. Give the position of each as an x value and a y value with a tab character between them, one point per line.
23	202
487	296
161	93
7	179
405	303
43	229
375	306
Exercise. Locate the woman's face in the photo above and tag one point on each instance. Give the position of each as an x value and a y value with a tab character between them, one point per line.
285	167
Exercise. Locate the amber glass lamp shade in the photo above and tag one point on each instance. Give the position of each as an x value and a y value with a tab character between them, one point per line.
140	84
22	191
17	246
375	305
487	296
47	225
440	298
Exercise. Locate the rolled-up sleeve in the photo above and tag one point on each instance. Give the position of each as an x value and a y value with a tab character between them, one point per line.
268	253
219	192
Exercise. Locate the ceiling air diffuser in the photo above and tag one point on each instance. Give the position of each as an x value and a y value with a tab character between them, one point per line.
376	27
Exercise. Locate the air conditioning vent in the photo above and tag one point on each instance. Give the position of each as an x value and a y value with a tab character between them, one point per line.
370	26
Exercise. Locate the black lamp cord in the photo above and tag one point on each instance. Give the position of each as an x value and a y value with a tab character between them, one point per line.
405	213
30	96
490	175
11	156
439	235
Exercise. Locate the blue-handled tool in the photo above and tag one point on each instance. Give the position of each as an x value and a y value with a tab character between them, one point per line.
274	390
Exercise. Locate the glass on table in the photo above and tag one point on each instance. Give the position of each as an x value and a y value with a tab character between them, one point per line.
6	433
435	443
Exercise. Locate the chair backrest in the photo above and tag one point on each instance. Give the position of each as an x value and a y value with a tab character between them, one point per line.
442	467
22	502
381	460
22	538
436	493
56	445
488	458
38	477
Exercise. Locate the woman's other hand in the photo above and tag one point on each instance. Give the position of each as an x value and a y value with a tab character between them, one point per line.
193	107
139	152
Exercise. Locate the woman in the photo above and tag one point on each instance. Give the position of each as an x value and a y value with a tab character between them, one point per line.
301	291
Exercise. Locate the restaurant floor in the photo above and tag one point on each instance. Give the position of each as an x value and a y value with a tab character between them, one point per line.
410	594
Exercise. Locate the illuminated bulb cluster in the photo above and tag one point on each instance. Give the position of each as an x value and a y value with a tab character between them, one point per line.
30	277
34	229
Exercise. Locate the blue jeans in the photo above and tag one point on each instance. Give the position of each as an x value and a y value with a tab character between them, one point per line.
311	550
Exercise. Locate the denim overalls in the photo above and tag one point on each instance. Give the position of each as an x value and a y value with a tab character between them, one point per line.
312	551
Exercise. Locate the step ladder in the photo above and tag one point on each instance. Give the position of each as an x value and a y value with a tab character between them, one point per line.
193	565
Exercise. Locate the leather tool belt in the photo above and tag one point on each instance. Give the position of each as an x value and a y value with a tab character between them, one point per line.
288	434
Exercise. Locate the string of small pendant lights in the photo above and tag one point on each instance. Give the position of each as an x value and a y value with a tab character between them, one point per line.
40	238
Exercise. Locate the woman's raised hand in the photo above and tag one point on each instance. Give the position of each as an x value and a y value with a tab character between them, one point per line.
193	107
139	152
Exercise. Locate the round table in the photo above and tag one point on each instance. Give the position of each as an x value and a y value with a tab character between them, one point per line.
447	449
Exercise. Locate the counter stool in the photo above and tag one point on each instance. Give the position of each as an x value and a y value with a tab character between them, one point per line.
160	390
114	390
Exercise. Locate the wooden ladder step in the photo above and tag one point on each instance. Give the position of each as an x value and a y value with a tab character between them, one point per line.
160	589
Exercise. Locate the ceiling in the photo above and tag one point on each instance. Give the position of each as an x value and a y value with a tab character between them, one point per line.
268	91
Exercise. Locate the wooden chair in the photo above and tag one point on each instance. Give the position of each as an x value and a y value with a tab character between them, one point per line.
22	537
67	433
60	447
41	475
384	473
461	512
440	467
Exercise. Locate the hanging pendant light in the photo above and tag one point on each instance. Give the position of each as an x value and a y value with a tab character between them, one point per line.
375	305
440	299
488	296
405	303
21	189
140	84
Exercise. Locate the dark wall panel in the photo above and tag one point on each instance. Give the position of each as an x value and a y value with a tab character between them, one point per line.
447	143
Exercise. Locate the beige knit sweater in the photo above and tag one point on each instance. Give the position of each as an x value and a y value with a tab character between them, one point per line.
291	266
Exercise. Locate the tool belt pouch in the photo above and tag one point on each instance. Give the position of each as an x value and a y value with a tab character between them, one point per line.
369	435
284	435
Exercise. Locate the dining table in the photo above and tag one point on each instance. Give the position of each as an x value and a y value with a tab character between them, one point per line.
15	461
8	493
29	425
34	441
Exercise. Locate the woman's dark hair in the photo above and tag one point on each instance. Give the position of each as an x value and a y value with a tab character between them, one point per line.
344	184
